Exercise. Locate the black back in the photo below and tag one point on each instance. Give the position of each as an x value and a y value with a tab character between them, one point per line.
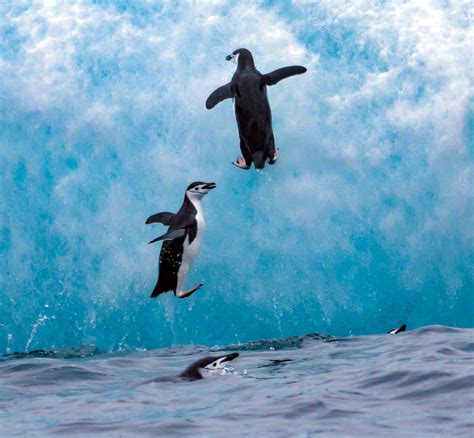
252	109
252	112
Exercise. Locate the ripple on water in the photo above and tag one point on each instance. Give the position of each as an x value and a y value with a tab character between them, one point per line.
414	384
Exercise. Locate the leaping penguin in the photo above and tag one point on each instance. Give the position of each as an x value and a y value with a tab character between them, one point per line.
193	371
248	88
181	242
397	330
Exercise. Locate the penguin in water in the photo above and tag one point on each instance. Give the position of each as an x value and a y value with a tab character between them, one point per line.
181	242
248	88
397	330
193	371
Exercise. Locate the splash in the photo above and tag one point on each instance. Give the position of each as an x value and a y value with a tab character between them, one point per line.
365	222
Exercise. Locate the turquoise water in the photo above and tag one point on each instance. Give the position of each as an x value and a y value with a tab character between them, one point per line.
366	221
414	384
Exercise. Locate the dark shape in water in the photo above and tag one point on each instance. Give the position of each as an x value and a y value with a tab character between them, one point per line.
397	330
254	117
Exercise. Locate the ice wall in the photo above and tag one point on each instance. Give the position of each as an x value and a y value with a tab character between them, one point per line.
366	222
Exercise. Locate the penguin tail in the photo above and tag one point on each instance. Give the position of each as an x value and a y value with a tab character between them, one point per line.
155	293
258	159
158	290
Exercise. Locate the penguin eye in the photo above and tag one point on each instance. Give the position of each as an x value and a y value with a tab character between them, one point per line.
214	364
196	188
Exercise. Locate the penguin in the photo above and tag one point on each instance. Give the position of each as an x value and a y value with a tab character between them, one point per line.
248	88
193	371
397	330
181	242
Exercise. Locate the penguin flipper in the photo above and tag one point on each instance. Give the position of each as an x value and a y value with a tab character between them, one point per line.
276	76
218	95
164	218
170	235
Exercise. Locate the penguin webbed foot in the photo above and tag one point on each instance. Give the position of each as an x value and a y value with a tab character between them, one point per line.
241	163
188	293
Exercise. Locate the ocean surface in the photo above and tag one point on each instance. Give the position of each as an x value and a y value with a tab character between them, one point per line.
419	383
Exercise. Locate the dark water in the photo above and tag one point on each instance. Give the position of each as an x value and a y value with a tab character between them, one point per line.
419	383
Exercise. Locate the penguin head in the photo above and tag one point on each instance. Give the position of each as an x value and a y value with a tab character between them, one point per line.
218	363
245	57
193	371
198	189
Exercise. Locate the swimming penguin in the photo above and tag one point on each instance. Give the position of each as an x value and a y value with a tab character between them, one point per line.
248	88
181	241
193	371
397	330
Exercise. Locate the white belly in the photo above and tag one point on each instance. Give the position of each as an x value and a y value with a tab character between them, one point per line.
190	251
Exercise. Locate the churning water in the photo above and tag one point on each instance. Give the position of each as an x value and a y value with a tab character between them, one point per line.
364	223
419	383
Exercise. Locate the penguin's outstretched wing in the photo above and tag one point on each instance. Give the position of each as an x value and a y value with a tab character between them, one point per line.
177	227
183	220
164	218
222	93
282	73
170	235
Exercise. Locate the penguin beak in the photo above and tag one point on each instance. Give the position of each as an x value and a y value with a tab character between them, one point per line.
210	186
231	58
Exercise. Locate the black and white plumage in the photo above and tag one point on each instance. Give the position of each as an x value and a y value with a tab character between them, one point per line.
193	371
248	88
397	330
181	242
